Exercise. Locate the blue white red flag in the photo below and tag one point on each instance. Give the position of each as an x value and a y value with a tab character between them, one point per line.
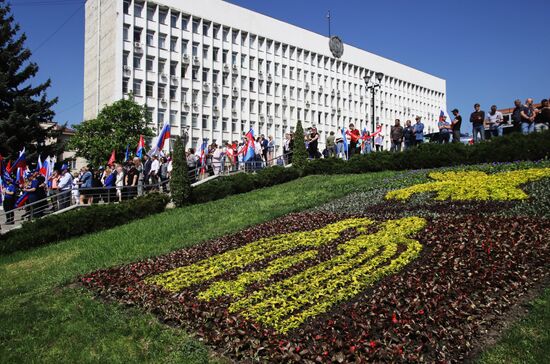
141	145
202	156
20	162
344	134
127	154
22	200
443	113
161	138
249	149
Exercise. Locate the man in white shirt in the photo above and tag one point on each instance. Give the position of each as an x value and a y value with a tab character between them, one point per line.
64	187
495	121
155	166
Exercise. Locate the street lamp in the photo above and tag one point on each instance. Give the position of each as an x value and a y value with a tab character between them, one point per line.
379	76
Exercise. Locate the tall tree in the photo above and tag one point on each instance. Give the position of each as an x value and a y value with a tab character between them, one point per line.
25	111
299	153
115	127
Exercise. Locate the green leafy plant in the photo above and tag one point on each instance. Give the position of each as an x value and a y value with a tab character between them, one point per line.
180	185
299	153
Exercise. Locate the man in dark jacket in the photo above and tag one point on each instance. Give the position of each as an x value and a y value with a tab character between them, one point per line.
477	118
396	136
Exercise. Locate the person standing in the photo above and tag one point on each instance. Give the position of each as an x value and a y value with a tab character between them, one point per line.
9	200
131	180
408	135
339	144
516	115
119	182
154	172
270	150
354	138
163	173
444	130
542	118
527	117
286	148
331	144
313	145
455	125
264	145
418	131
477	118
64	187
396	135
495	122
146	171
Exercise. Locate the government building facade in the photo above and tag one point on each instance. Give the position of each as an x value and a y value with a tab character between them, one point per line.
217	70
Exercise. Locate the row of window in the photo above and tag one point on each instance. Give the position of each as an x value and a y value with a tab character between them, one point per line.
199	26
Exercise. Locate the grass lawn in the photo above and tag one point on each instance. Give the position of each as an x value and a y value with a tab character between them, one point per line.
44	320
528	341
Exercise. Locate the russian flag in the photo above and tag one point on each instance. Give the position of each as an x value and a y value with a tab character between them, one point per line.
443	113
162	137
249	152
20	162
22	200
141	145
127	154
42	167
202	156
344	136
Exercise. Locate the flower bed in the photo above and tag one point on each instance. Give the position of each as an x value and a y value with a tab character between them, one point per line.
360	279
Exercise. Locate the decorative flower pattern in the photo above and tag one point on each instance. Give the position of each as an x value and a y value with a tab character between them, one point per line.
475	185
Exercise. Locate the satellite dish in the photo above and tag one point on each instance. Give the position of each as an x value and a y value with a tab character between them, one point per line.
336	46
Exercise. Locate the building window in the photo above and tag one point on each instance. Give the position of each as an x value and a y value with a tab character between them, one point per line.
196	24
126	7
149	62
125	85
149	89
137	61
205	74
173	92
215	54
173	43
137	87
161	92
150	38
162	16
216	32
184	22
125	60
151	12
174	20
126	33
173	118
195	49
162	41
138	10
137	35
205	52
205	28
173	68
194	124
195	74
183	46
205	122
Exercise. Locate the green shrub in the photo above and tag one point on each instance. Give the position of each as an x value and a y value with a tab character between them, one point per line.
299	153
81	221
243	182
180	184
509	148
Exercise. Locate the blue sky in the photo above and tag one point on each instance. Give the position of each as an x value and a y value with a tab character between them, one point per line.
490	52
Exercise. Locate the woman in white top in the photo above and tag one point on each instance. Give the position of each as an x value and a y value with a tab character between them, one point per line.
217	159
119	182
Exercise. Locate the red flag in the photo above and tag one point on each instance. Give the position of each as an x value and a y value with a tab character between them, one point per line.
112	159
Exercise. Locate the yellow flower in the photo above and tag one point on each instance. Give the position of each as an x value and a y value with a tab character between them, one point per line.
474	185
286	304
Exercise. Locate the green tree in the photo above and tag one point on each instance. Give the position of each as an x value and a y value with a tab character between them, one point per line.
25	110
180	184
115	127
299	153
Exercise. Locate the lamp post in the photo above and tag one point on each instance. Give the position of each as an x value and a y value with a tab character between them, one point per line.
372	87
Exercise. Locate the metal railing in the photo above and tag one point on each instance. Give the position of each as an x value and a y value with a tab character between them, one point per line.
61	201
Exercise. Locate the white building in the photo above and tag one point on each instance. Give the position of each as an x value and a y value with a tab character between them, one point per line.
220	69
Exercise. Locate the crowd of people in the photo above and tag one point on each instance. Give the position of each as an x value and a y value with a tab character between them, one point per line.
61	188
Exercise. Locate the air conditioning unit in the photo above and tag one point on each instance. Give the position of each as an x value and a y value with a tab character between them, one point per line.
338	93
205	86
163	76
285	121
234	114
307	105
195	105
226	68
137	45
185	105
320	88
216	108
196	60
163	101
185	59
339	111
261	75
215	89
235	67
262	117
307	85
126	68
333	93
333	110
269	78
270	119
174	77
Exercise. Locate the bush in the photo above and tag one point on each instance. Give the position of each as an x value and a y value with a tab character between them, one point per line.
81	221
509	148
299	153
243	182
180	184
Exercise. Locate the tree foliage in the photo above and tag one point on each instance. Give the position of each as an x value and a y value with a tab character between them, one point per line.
299	153
180	184
25	110
115	127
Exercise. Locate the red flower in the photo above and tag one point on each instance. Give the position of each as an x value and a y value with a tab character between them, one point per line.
394	318
372	344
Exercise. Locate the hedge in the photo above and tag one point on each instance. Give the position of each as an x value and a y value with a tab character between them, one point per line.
79	222
509	148
243	182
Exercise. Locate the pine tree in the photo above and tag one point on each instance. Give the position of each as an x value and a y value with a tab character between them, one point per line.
180	184
25	110
299	153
